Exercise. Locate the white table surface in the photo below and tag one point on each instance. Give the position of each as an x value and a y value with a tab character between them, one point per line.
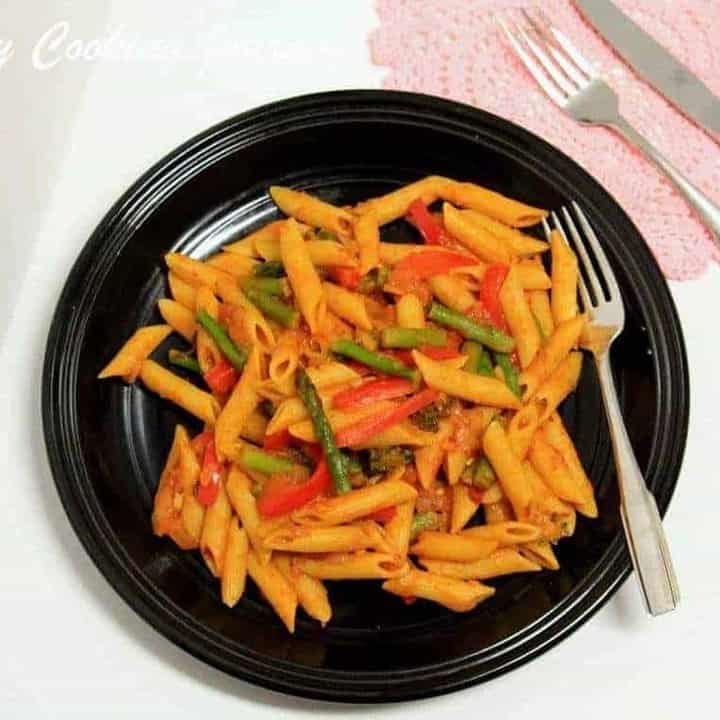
81	133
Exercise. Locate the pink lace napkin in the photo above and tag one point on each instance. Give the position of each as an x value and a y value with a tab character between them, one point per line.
454	48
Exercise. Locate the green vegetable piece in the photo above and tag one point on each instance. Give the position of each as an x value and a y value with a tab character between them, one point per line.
236	355
509	372
374	280
185	360
271	286
273	308
478	359
423	521
326	235
486	334
382	460
427	419
335	459
263	462
270	269
483	474
382	363
398	337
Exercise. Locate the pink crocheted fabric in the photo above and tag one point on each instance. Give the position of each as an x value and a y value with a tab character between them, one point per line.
454	48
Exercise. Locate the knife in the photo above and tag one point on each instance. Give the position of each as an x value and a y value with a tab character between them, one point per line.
653	63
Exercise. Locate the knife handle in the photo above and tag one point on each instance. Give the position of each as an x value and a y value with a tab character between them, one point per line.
707	210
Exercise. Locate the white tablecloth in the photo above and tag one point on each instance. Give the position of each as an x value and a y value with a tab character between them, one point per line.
76	136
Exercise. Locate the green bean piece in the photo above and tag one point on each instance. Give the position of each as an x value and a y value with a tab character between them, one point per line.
539	326
184	360
273	308
483	474
423	521
263	462
382	363
374	280
488	335
236	354
326	235
271	269
478	359
352	464
399	337
336	461
271	286
509	372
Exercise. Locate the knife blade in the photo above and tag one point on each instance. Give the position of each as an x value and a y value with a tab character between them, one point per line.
653	63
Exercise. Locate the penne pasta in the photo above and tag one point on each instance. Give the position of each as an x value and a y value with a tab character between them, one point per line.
428	459
541	553
311	211
564	279
345	538
352	566
555	518
445	546
464	505
551	467
237	265
532	276
243	503
456	595
196	273
395	204
410	312
505	561
311	593
128	362
348	305
505	533
451	291
367	236
498	511
281	595
522	428
178	317
181	292
397	529
539	301
213	538
559	384
474	237
234	569
518	242
519	318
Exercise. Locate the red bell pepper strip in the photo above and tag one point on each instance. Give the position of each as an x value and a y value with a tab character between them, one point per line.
443	353
429	227
210	476
347	277
368	427
277	441
427	263
200	442
359	368
492	281
282	494
383	515
404	356
222	378
371	392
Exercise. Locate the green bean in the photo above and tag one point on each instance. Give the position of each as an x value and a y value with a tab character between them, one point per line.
539	326
478	359
423	521
486	334
509	372
399	337
236	354
263	462
184	360
271	269
336	461
269	285
273	308
383	363
374	280
483	474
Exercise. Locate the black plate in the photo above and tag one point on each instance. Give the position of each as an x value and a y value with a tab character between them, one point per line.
107	442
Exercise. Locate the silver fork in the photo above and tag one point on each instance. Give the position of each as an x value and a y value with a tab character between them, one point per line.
606	315
572	83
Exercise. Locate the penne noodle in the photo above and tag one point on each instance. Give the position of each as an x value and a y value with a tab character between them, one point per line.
410	311
181	291
281	595
128	362
246	325
532	276
474	237
498	511
522	427
395	204
367	236
541	553
311	593
354	504
232	585
539	301
393	253
497	206
464	506
456	595
404	433
493	494
451	291
311	211
243	503
518	242
555	349
215	532
508	468
455	461
249	244
564	279
197	273
468	386
510	532
519	318
255	428
397	529
428	459
245	246
303	277
184	394
284	363
555	518
241	404
331	373
457	548
239	266
208	353
178	317
551	467
348	305
559	385
323	253
345	538
352	566
505	561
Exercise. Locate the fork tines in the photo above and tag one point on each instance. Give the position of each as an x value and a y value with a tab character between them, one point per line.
548	54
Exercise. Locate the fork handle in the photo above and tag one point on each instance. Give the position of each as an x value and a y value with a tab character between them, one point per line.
643	527
706	209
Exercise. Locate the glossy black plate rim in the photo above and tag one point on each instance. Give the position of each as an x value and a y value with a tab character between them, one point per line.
59	410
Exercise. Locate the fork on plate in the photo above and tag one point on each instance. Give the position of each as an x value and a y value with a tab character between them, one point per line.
601	300
573	83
